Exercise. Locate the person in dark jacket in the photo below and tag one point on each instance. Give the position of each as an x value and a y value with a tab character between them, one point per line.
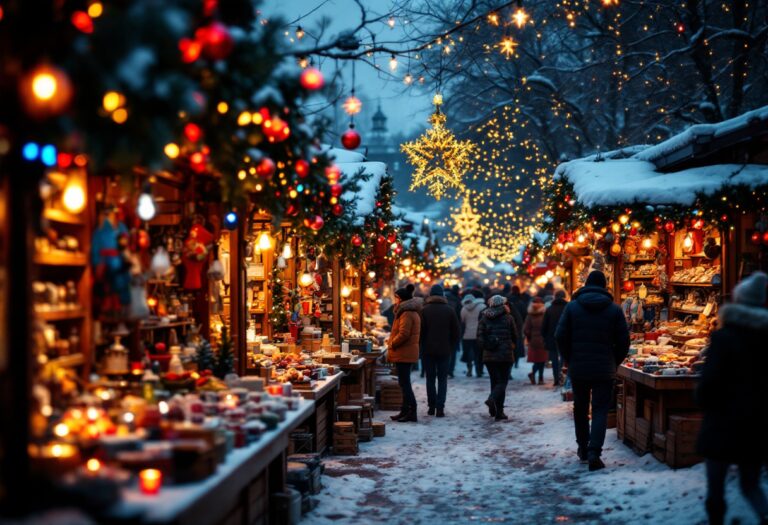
593	337
497	335
734	399
469	318
548	327
519	302
452	295
403	347
439	334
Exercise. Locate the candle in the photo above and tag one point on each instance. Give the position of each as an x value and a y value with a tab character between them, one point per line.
54	458
150	480
275	390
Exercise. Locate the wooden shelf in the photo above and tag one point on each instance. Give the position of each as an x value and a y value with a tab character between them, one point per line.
61	259
640	260
162	282
642	277
61	315
163	326
67	361
695	285
63	217
686	312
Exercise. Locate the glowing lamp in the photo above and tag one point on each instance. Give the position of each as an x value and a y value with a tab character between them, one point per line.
265	241
302	168
393	63
352	105
311	79
647	243
346	291
615	227
150	480
74	197
616	249
333	173
171	150
48	155
623	219
45	91
306	280
688	243
146	209
112	101
30	151
93	465
287	252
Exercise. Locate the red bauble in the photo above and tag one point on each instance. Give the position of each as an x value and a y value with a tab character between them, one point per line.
765	238
633	231
82	22
381	224
276	129
669	226
351	139
392	237
333	173
317	223
357	240
265	168
193	132
190	50
337	210
337	189
628	286
216	41
302	168
197	162
311	79
291	211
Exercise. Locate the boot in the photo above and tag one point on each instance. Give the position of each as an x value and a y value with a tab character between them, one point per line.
501	416
532	378
440	412
491	406
469	373
431	411
595	463
582	453
397	416
409	416
541	380
715	511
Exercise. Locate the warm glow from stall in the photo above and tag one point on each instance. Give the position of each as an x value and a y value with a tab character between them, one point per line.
287	251
306	279
265	241
74	196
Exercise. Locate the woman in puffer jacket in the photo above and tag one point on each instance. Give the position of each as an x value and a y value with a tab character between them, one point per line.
497	333
403	347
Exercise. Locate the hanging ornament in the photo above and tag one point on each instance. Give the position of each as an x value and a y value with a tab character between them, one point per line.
392	237
440	160
291	210
216	41
628	286
265	168
337	189
615	249
276	129
333	173
669	226
317	223
192	132
337	210
311	79
381	224
190	50
352	105
357	241
351	138
302	168
45	91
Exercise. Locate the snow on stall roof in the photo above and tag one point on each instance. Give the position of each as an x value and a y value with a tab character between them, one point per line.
624	181
343	155
365	198
697	131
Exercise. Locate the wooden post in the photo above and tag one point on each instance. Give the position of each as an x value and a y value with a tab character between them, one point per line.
237	319
336	269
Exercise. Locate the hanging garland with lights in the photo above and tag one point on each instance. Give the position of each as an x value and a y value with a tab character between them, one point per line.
440	161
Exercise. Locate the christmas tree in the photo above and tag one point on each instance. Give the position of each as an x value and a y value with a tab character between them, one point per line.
280	315
225	357
205	356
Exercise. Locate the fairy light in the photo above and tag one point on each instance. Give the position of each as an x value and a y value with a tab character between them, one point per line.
520	17
507	47
393	63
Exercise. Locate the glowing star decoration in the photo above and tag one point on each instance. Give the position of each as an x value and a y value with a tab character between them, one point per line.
507	47
352	105
466	224
466	221
440	160
520	17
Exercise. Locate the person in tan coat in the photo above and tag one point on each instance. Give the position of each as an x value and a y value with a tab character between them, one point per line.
403	347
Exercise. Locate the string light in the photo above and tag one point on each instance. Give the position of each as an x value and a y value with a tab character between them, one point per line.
393	63
520	17
299	32
391	22
507	46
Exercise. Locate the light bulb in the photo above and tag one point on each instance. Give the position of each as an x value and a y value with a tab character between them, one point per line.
688	243
306	279
647	243
146	208
393	63
623	219
287	252
265	241
74	197
346	291
44	86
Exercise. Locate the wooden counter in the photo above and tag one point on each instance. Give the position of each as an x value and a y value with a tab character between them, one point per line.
320	422
371	361
658	414
238	492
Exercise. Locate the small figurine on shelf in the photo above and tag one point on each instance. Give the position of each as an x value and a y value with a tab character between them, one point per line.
196	248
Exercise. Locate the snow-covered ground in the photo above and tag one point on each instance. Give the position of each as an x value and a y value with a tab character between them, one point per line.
467	468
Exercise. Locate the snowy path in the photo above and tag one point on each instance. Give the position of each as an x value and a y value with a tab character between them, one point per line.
466	468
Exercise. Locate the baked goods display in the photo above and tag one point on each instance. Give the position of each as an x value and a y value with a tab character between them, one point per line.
696	275
673	349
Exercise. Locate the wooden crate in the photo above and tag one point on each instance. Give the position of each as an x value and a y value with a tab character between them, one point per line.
681	450
648	407
379	429
365	434
643	435
659	446
612	417
630	415
342	428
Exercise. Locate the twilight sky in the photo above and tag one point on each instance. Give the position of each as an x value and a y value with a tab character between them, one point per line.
407	110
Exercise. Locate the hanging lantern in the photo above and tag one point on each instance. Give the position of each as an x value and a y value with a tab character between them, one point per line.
616	249
311	79
352	105
265	241
302	168
351	138
287	251
265	168
688	243
45	91
216	41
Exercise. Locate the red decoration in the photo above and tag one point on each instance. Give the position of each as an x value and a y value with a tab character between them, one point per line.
337	210
82	22
765	238
697	223
337	189
276	129
351	139
680	27
216	41
357	240
669	226
333	173
302	168
628	286
265	168
311	79
317	223
633	231
392	237
381	224
64	160
291	211
193	132
197	162
190	50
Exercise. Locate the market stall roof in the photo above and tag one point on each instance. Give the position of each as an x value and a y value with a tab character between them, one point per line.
343	155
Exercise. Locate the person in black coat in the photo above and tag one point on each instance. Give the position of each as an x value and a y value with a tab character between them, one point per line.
734	399
454	301
518	302
439	336
497	336
593	337
548	327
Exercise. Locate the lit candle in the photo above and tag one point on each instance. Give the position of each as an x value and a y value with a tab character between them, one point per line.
275	390
150	480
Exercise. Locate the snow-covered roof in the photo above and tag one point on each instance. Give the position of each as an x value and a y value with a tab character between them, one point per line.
343	155
365	198
703	133
623	181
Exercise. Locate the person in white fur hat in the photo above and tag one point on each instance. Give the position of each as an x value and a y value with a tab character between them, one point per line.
733	396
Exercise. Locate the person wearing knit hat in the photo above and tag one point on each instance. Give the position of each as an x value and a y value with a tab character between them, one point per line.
733	397
454	301
593	338
439	337
497	336
469	318
403	348
549	325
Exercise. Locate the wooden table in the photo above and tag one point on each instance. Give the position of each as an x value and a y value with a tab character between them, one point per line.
645	404
238	492
371	360
353	382
321	420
